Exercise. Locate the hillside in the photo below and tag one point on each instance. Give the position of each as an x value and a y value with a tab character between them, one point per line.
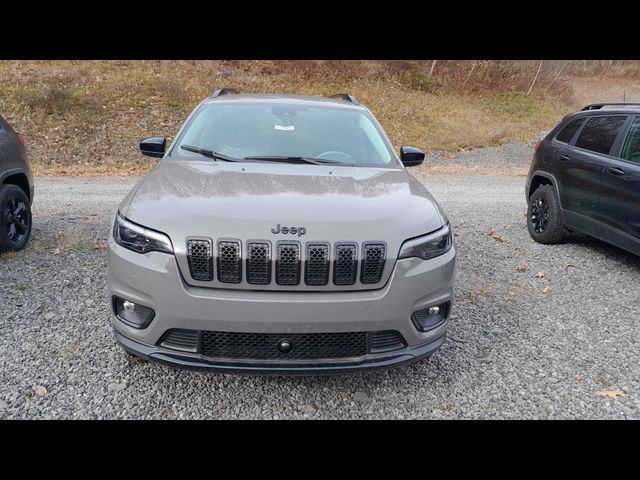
87	117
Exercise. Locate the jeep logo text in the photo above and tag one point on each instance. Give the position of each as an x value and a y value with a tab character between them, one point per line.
289	230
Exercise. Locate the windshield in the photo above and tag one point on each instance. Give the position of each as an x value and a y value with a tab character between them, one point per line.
284	130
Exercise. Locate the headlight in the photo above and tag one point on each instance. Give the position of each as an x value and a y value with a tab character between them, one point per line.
139	239
428	246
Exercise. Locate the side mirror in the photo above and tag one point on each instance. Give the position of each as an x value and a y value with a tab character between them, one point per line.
153	146
411	156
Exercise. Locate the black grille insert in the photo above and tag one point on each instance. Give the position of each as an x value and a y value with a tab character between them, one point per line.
259	263
179	339
264	346
385	341
345	265
288	264
200	259
373	258
316	270
229	264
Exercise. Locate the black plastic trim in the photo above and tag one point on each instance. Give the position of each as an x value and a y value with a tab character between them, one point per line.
196	362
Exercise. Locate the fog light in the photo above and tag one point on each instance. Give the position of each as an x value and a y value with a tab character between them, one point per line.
132	314
431	317
128	306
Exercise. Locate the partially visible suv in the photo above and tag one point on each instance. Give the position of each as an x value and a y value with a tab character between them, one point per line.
16	190
585	178
280	234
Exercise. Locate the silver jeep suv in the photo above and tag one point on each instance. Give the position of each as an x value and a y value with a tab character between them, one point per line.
280	234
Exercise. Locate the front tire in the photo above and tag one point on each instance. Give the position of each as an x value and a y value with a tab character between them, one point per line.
15	218
544	216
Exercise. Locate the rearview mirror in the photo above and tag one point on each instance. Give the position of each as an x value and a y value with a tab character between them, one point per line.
411	156
153	146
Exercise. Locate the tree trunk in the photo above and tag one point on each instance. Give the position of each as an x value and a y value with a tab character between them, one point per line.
535	78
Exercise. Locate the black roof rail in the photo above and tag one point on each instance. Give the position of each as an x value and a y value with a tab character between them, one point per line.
346	97
598	106
224	91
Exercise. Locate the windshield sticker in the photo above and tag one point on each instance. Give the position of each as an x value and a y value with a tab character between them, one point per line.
284	127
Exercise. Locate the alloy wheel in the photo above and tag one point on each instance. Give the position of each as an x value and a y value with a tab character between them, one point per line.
539	217
15	219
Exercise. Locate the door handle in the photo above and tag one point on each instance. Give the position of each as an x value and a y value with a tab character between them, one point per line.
616	171
564	157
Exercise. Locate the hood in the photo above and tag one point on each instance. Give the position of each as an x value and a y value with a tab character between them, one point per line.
262	201
247	200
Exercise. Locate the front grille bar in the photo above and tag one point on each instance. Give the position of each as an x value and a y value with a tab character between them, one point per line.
259	263
229	264
288	263
200	259
316	270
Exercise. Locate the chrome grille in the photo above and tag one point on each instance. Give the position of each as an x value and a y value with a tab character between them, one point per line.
316	270
373	258
229	265
259	263
200	261
288	264
345	265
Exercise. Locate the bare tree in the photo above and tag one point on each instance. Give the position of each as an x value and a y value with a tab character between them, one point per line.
556	77
535	78
473	67
433	65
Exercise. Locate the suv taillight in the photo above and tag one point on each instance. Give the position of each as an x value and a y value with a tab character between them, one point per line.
537	146
22	138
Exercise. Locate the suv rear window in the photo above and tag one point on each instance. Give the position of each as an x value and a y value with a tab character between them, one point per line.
566	134
599	133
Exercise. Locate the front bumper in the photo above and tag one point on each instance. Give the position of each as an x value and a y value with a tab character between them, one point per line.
154	280
197	362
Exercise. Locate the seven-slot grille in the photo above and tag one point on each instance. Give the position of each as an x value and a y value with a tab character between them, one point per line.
318	260
200	260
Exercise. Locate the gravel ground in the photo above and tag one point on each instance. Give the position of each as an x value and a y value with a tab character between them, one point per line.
520	345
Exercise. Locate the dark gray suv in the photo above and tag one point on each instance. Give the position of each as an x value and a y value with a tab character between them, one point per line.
16	189
585	177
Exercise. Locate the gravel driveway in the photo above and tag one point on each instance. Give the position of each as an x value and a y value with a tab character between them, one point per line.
520	345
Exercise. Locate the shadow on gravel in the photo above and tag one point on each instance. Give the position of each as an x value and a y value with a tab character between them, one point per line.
606	250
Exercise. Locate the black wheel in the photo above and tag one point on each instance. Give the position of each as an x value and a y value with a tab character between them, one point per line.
544	217
15	218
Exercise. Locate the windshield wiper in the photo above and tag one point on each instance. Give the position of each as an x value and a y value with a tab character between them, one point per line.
208	153
285	159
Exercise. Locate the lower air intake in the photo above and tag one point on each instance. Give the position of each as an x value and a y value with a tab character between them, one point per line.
385	341
264	346
178	339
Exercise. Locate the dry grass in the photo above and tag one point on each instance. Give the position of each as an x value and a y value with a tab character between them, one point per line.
87	117
68	242
4	256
